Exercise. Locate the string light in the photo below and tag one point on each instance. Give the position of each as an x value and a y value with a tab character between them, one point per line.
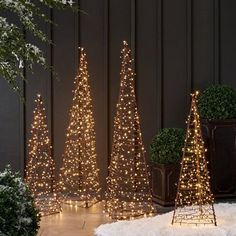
194	200
128	194
79	181
40	164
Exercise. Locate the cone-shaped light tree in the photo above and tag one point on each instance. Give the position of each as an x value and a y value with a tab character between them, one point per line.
40	165
128	194
79	177
194	200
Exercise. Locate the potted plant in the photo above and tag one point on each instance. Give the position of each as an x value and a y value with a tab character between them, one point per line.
166	154
217	108
18	214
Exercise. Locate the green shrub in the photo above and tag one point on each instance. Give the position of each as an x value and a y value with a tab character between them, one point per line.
166	147
218	102
18	215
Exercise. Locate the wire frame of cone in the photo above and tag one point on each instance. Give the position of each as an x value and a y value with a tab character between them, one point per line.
40	166
79	176
128	194
194	200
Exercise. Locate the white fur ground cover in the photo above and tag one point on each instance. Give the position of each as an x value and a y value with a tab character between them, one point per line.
160	225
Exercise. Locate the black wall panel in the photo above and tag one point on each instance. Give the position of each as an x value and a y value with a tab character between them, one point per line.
202	43
227	42
119	29
178	46
146	67
175	64
95	43
11	126
65	61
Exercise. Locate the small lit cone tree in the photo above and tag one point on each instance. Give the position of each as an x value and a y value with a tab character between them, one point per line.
194	200
79	177
128	194
40	165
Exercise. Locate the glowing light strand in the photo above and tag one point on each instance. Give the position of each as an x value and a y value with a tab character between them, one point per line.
79	178
194	200
40	166
128	194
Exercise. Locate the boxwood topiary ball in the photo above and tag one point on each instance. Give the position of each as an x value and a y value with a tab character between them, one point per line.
218	102
166	146
18	215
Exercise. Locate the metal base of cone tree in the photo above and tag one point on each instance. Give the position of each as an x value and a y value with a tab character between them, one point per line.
195	215
75	201
79	200
48	205
129	210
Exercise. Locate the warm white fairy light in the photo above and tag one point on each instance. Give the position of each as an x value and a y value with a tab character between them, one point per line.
194	201
79	178
128	193
40	164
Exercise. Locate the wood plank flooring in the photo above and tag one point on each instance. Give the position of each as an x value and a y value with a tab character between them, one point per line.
74	221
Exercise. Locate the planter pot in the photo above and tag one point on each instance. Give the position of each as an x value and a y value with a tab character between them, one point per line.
164	179
220	140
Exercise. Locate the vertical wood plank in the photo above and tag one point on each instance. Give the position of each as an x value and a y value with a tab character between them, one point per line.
106	77
203	44
65	60
175	91
189	55
227	36
119	30
216	26
11	129
159	66
146	68
95	43
133	37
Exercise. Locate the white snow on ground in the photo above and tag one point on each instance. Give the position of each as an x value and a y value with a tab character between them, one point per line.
160	225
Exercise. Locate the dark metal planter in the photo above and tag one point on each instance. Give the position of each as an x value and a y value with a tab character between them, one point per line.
220	140
164	179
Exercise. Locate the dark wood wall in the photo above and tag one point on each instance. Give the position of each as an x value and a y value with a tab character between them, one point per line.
178	46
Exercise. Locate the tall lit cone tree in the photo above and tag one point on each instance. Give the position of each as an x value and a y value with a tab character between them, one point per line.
128	194
79	177
40	165
194	200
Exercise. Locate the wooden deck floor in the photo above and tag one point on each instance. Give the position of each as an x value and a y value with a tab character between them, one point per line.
74	221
